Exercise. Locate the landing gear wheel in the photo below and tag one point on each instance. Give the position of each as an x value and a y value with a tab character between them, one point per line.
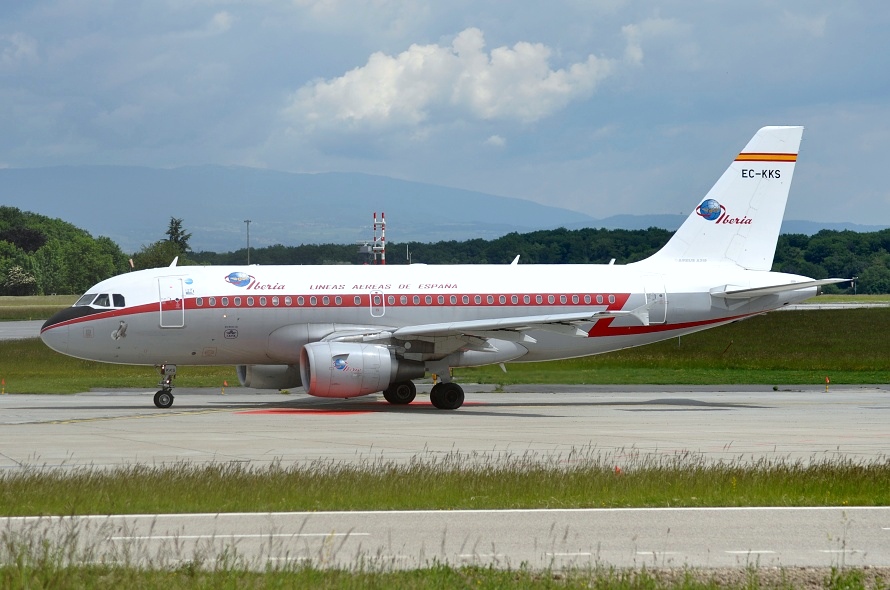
163	399
400	393
447	396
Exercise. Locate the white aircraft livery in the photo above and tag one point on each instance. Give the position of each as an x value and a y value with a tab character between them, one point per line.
347	331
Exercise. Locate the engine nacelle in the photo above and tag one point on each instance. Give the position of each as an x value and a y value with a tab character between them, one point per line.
349	369
268	376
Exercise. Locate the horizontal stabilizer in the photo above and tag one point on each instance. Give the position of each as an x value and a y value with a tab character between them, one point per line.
730	292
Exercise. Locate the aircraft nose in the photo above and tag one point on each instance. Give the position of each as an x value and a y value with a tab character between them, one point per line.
55	336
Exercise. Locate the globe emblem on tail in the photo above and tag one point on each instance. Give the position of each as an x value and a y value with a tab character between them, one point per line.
709	209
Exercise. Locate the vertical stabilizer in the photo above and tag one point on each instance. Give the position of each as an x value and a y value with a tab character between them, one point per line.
740	218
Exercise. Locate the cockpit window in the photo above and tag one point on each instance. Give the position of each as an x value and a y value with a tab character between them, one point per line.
85	300
118	300
103	300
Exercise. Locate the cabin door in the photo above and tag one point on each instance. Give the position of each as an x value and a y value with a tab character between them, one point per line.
656	301
172	302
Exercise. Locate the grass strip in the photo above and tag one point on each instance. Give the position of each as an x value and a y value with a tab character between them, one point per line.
796	347
34	573
581	479
33	308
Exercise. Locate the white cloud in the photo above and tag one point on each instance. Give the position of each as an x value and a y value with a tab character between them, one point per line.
432	81
17	49
220	23
496	141
656	30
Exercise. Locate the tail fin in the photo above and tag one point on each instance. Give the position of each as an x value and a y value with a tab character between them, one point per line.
740	218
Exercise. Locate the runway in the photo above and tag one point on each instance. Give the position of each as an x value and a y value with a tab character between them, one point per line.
654	538
106	429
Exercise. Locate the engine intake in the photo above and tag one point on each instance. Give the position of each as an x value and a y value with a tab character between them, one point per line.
347	369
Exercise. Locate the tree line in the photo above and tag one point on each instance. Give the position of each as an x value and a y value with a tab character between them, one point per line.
40	255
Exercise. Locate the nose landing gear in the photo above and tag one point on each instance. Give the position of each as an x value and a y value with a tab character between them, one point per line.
164	397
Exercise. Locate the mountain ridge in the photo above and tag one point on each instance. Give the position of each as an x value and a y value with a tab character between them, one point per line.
132	205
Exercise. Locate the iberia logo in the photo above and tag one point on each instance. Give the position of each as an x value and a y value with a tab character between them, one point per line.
711	210
239	279
242	279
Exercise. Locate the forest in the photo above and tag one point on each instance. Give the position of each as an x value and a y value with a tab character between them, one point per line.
42	256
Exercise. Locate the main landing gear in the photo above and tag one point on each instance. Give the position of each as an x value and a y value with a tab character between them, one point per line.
164	397
400	393
445	396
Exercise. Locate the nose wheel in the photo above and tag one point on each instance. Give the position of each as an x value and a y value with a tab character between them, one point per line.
164	397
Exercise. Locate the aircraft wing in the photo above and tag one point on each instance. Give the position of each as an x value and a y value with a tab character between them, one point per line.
731	292
563	323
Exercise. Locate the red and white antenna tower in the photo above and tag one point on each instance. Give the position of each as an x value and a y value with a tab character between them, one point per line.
379	247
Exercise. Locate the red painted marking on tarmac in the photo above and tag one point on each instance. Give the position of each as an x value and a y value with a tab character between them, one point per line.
369	409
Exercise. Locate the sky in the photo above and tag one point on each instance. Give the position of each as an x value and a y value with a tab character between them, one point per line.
601	106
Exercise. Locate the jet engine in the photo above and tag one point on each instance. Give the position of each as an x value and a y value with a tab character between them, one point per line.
268	376
348	369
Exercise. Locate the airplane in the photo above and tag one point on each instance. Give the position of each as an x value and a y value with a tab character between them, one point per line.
347	331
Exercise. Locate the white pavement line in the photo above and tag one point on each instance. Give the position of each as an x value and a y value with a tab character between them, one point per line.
841	551
233	536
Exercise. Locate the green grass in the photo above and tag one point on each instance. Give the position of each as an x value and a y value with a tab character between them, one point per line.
33	308
790	347
49	572
796	347
582	479
28	366
881	298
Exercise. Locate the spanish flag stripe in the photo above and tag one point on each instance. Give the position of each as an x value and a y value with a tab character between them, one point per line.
761	157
